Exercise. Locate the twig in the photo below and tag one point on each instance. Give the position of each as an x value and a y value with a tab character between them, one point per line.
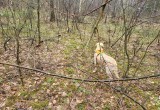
158	35
77	15
99	18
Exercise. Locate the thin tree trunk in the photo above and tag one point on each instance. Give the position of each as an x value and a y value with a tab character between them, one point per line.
17	33
126	31
52	15
38	22
80	6
18	59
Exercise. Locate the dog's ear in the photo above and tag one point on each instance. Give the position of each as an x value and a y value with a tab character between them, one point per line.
100	44
97	44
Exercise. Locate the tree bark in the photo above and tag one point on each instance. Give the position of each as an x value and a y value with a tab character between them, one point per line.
52	15
38	21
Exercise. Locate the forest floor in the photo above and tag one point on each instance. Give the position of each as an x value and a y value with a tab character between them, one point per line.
64	53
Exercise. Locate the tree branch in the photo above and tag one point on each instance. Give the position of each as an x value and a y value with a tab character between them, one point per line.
80	79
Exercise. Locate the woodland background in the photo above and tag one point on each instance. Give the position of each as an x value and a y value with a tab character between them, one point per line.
47	47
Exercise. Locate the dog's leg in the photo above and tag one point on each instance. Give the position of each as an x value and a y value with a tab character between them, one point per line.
109	72
95	63
116	72
95	69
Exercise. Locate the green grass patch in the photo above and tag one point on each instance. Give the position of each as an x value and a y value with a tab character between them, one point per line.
39	104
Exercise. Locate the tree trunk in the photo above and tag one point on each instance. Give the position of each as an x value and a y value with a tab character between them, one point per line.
38	21
18	59
52	15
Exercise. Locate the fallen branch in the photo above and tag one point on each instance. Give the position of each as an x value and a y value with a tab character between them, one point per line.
87	80
79	79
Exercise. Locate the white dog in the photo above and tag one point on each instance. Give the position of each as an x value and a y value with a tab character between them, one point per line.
102	59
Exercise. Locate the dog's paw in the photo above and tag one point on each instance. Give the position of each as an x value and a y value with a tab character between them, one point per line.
95	70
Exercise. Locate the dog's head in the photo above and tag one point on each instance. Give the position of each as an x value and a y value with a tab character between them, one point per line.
99	48
99	45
